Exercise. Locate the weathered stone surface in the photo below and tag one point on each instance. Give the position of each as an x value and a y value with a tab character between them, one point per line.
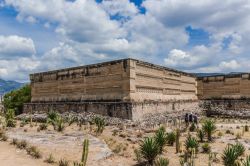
125	88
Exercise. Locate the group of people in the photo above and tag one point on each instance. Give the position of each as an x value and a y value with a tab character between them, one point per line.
191	118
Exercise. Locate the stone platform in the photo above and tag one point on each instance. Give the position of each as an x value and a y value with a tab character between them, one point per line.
124	110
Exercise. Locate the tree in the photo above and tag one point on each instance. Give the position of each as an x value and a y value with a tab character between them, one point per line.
16	98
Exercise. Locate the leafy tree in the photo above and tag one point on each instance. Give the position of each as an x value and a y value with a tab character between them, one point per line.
16	98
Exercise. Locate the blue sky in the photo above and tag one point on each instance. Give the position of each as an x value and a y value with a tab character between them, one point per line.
205	36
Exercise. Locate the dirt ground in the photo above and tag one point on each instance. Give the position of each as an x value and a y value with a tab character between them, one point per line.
115	147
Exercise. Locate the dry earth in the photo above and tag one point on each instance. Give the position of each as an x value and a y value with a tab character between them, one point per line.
115	147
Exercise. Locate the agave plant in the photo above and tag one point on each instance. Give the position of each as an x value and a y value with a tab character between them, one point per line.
52	115
149	149
230	156
246	162
161	162
209	128
240	149
171	138
161	138
59	124
232	153
191	143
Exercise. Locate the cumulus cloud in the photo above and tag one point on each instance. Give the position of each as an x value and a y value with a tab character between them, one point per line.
233	64
122	8
15	46
91	32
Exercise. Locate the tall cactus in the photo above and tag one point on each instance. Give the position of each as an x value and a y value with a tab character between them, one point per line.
177	141
193	152
85	151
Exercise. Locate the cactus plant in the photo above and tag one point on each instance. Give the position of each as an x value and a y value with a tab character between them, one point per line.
177	141
85	151
100	124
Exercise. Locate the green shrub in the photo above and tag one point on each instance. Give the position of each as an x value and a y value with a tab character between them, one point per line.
59	124
209	128
191	143
16	98
52	116
149	149
161	138
240	149
10	118
206	148
232	153
171	138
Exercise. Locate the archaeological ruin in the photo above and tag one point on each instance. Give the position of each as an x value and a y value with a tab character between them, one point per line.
133	89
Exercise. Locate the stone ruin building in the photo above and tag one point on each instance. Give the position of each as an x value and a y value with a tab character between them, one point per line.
133	89
226	95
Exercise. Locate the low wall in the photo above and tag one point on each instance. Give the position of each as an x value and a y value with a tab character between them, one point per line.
227	108
124	110
170	109
112	109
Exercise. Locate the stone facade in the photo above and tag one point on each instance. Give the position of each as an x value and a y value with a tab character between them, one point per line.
232	86
225	95
125	88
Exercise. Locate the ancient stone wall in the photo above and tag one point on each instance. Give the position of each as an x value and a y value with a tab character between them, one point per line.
156	83
224	87
117	88
105	81
230	108
113	109
171	109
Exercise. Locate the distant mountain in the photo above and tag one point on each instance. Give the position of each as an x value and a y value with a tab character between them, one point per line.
7	86
207	74
215	74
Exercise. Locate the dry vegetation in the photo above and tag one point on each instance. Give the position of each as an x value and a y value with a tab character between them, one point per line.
222	142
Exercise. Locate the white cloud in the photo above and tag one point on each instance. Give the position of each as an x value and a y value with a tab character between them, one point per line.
89	33
231	65
14	46
122	8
